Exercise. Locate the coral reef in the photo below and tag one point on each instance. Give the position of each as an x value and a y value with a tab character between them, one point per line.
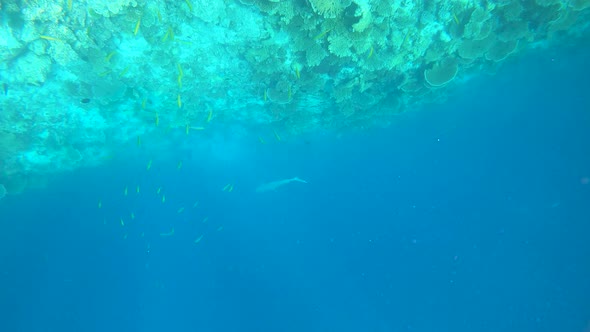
80	78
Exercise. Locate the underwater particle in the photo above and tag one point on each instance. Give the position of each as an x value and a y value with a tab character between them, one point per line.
220	228
441	73
170	233
2	191
85	100
205	220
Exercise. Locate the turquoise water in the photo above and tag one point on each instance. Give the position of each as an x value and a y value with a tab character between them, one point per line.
470	215
147	177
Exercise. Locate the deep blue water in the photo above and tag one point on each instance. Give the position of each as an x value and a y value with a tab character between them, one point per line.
470	215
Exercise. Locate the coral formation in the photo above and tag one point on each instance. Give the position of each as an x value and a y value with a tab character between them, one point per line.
441	73
80	78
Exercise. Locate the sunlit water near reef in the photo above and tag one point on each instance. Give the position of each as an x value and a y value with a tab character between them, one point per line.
295	166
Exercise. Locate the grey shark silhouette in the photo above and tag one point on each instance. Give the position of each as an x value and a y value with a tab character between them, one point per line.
271	186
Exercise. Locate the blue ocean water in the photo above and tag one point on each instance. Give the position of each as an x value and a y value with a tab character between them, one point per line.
469	215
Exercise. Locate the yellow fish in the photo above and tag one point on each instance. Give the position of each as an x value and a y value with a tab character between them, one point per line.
189	4
99	203
149	165
180	72
138	140
137	27
109	56
187	129
178	101
159	190
122	222
137	189
181	210
125	191
132	215
322	34
49	38
261	140
163	198
157	119
370	53
166	36
209	116
125	70
278	138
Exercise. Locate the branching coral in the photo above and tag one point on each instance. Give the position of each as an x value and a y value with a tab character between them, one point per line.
329	8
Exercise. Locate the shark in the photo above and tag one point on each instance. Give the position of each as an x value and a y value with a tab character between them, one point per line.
272	186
